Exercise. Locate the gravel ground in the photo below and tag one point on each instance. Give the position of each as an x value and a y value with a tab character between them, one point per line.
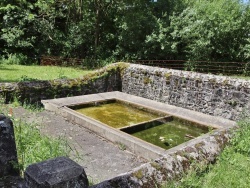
100	158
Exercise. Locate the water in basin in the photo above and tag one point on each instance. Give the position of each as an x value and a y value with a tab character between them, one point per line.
169	134
116	114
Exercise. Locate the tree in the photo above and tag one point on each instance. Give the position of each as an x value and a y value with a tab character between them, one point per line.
216	30
211	30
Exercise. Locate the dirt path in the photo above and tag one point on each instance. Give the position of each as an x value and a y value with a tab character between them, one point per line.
100	158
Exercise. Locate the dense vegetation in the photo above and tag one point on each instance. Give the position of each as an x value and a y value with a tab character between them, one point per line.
212	30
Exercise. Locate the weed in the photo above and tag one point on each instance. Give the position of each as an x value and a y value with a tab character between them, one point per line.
26	105
138	174
25	78
15	102
2	99
32	107
240	142
122	146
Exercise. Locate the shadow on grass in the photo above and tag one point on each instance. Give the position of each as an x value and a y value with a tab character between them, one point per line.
7	69
8	81
4	68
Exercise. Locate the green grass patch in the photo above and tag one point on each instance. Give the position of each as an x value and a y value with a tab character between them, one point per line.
241	77
15	73
231	170
33	147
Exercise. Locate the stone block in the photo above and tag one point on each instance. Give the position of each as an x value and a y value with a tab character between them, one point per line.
60	172
8	153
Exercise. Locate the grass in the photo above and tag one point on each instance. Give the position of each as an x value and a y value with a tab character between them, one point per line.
32	146
241	77
15	73
231	170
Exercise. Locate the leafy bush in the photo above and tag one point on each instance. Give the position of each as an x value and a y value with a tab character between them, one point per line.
15	59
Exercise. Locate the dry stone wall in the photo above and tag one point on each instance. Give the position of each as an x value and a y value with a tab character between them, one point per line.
103	80
210	94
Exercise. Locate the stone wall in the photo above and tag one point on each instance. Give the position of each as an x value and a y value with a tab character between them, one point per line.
210	94
103	80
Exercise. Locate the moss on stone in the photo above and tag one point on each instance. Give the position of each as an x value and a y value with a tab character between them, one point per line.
199	145
213	80
147	80
225	82
158	73
144	71
168	76
232	103
183	79
156	165
138	174
198	80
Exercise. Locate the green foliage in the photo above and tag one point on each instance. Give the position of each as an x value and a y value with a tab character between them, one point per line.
230	171
132	34
32	146
122	146
15	59
211	30
216	30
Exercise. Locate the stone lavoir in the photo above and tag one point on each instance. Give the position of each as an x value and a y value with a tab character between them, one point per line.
165	164
222	97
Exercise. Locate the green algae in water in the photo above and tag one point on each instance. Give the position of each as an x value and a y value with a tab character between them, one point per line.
169	134
117	114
